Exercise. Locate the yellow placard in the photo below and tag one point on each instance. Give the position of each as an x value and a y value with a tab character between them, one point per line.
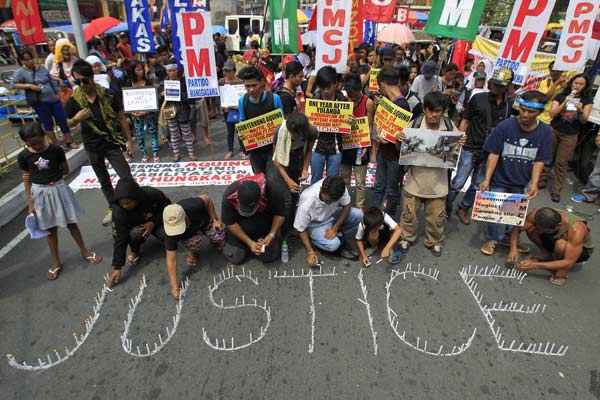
259	131
329	116
390	119
373	84
359	135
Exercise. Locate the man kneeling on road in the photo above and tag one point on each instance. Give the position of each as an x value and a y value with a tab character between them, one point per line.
564	238
194	223
254	210
323	211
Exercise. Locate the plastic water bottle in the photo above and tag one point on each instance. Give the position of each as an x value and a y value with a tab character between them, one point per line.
285	255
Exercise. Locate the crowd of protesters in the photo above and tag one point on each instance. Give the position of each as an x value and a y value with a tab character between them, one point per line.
514	141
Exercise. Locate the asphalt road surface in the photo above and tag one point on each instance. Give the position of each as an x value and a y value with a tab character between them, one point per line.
340	333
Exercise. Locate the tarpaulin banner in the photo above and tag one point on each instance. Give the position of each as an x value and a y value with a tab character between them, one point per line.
500	208
458	19
576	36
329	116
390	120
28	21
284	26
380	10
260	131
356	25
139	23
333	32
522	37
196	51
359	136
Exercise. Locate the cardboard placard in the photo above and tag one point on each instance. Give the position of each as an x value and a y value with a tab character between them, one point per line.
230	95
390	119
427	148
102	80
172	90
373	84
330	116
500	208
359	136
140	99
260	131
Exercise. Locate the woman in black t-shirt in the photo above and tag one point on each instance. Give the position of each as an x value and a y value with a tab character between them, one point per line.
570	112
49	198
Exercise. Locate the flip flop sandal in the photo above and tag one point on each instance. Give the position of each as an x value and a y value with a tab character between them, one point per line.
175	294
54	272
93	258
557	281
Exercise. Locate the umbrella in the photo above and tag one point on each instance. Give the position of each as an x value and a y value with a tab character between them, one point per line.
394	33
220	29
302	18
9	24
122	27
99	26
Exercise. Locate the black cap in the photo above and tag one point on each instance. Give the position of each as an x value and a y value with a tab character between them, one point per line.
387	52
249	197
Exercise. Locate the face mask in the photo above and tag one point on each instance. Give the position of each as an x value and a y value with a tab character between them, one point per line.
82	81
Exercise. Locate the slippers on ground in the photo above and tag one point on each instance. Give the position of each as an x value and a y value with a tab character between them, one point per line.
93	258
557	281
53	272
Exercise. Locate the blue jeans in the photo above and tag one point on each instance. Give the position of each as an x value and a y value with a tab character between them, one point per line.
318	163
48	112
387	185
468	166
317	230
499	232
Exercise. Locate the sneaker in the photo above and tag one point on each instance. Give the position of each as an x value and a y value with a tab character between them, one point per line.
489	248
523	249
580	198
396	257
463	216
107	220
349	254
404	246
436	250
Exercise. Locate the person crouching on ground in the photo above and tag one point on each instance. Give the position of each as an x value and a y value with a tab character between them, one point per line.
379	231
324	211
564	239
194	223
137	214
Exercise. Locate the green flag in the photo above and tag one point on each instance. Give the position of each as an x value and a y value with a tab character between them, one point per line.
457	19
284	26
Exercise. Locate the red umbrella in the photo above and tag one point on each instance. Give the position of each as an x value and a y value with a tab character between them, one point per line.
98	27
9	24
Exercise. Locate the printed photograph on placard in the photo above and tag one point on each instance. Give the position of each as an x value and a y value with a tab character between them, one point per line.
427	148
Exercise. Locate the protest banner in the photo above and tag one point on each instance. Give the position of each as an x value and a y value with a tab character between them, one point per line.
576	36
380	10
402	15
231	94
284	26
102	80
373	84
427	148
360	135
172	90
390	119
139	23
500	208
260	131
28	22
140	99
458	19
522	37
329	116
193	47
333	32
357	25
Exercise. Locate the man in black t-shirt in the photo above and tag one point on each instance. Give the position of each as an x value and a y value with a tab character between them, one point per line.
294	75
254	210
192	222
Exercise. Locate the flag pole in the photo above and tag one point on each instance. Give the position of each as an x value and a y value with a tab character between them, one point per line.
77	28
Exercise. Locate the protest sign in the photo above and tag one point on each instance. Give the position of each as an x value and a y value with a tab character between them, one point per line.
390	119
172	90
576	35
329	116
333	32
28	21
500	208
140	99
373	84
260	131
357	25
522	37
231	94
194	48
284	26
458	19
139	23
102	80
427	148
360	135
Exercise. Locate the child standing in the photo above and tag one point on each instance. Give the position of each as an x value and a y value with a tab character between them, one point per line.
144	122
231	114
48	196
179	117
379	231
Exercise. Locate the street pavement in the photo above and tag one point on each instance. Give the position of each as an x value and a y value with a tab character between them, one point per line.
338	333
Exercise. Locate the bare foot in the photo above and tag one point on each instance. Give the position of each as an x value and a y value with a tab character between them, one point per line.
175	292
228	155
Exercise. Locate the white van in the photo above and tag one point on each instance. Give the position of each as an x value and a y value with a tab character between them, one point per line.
240	27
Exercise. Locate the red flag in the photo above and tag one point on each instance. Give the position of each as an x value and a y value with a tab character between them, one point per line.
380	10
28	21
459	54
312	24
356	25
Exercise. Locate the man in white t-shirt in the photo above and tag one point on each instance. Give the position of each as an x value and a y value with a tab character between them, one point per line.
324	214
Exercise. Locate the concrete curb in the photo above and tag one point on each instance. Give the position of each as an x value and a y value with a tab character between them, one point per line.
14	202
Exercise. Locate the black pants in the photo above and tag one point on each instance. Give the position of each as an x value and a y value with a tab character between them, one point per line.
259	158
256	227
118	162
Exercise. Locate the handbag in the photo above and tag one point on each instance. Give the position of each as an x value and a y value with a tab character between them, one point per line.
169	111
233	117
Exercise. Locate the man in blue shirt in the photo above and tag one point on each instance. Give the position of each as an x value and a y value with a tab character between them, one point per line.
518	148
256	102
